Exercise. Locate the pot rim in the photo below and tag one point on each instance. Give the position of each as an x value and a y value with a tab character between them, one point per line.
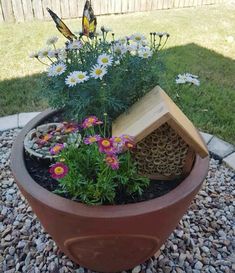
27	184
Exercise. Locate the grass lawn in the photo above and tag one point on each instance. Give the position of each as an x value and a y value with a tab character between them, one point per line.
197	45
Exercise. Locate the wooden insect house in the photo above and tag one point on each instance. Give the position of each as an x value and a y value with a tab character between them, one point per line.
166	140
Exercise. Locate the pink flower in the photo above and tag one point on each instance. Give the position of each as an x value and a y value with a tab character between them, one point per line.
92	139
112	161
128	138
106	146
118	143
56	149
91	121
58	170
44	139
69	127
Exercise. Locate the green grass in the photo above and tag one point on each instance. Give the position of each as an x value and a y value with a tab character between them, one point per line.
197	45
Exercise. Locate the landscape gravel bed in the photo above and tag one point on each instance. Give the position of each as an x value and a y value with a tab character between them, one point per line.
202	242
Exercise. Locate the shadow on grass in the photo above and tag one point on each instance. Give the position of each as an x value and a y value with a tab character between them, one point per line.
22	94
211	106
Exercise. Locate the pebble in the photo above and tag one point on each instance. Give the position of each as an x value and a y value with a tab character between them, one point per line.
202	242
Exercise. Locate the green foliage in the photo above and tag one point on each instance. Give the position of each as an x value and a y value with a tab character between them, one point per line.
91	181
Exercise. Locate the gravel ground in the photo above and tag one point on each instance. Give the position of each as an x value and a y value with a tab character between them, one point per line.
202	242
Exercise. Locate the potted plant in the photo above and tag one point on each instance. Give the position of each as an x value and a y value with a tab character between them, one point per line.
91	199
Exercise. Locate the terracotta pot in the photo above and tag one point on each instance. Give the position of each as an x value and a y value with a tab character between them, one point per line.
106	238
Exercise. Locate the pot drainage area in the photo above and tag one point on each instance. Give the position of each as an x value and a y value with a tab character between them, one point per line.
202	242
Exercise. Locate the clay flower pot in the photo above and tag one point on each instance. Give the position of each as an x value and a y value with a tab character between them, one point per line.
106	238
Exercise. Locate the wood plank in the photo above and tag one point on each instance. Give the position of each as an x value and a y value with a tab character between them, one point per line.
73	7
81	4
111	6
124	6
46	4
7	11
55	6
1	14
104	7
155	5
143	5
131	5
153	110
160	4
176	3
149	4
138	5
18	10
37	8
118	6
27	9
64	4
96	6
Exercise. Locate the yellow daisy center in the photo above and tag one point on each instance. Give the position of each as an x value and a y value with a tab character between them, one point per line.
81	76
72	80
59	69
56	148
138	38
91	120
98	71
59	170
105	143
118	139
105	60
92	139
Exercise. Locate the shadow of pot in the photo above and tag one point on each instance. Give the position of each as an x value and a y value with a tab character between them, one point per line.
105	238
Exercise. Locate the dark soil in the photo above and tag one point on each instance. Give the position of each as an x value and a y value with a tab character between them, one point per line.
38	169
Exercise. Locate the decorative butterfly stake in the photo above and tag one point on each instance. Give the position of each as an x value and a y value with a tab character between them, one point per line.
61	26
89	21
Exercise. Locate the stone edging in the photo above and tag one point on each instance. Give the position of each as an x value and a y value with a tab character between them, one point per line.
219	149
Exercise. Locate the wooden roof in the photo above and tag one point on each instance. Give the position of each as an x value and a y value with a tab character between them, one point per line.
153	110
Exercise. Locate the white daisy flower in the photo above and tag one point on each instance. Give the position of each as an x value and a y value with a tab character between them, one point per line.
33	54
145	53
56	69
53	53
122	40
187	78
80	76
52	40
132	47
75	45
119	49
194	81
71	80
137	37
105	29
98	71
105	60
62	54
43	53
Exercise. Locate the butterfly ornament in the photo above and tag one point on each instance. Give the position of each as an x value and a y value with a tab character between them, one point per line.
89	23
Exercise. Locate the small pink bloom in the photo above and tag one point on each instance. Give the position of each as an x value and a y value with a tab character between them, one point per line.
56	149
44	139
112	161
106	146
91	121
92	139
70	127
58	170
127	138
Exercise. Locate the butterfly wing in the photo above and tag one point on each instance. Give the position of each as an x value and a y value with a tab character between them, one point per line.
89	21
61	26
